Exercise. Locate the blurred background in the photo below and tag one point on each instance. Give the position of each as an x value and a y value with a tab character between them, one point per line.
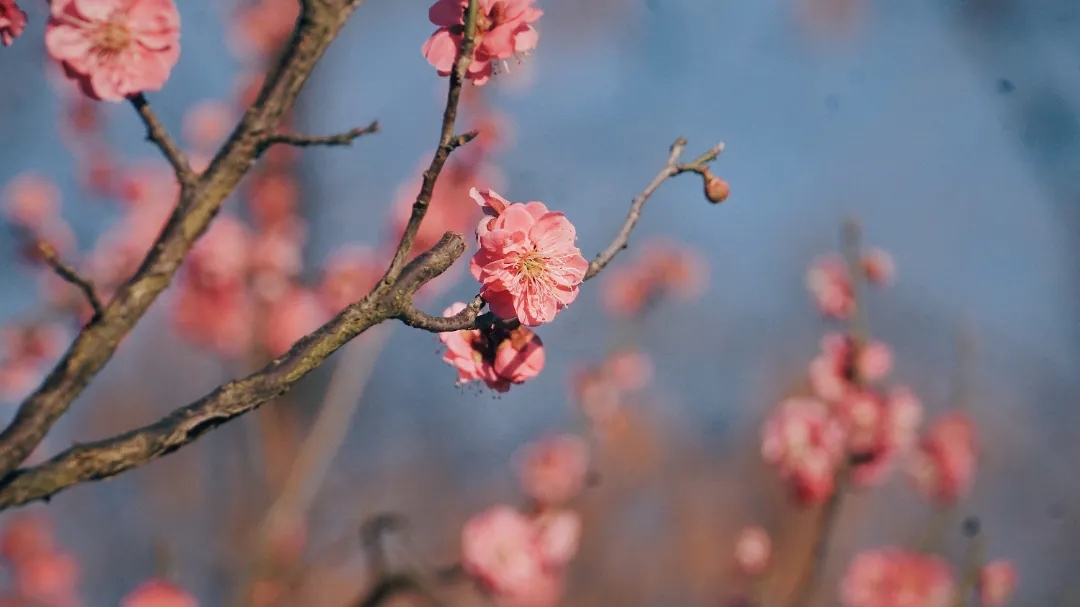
950	129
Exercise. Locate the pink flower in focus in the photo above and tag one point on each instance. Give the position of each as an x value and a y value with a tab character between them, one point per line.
519	356
802	439
115	48
891	577
348	274
503	30
294	315
12	22
158	593
500	549
830	284
31	201
497	357
878	267
527	263
753	550
943	466
997	583
553	470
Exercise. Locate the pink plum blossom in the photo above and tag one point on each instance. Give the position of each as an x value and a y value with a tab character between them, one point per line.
503	30
806	444
501	549
944	463
207	123
115	48
661	269
892	577
221	257
12	21
878	267
835	371
497	357
753	550
997	583
880	430
558	536
216	319
527	264
158	593
554	469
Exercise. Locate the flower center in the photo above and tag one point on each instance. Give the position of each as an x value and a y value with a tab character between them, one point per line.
532	265
112	37
488	22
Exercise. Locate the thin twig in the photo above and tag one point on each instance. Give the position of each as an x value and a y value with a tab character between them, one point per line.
304	141
156	134
470	317
52	258
448	142
671	169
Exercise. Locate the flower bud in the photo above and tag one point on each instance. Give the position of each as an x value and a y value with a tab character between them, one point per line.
716	189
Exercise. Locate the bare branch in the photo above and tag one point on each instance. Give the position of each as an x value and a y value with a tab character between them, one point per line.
156	133
68	273
112	456
671	169
318	25
448	142
304	141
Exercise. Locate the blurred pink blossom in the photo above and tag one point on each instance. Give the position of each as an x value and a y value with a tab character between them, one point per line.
347	276
830	284
220	320
558	536
294	315
207	123
892	577
158	593
943	466
12	21
878	266
500	548
997	583
753	550
220	258
661	269
880	429
554	469
834	372
31	202
806	443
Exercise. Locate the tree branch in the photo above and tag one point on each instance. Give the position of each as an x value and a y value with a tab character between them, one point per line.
448	142
317	26
156	134
68	273
109	457
470	317
304	141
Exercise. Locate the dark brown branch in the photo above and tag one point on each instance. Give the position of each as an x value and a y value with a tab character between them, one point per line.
470	317
318	25
68	273
156	134
304	141
448	142
109	457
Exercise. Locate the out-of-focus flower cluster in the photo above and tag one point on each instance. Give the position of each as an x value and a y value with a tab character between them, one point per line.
519	557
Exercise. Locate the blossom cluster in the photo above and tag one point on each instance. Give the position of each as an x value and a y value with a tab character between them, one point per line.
520	557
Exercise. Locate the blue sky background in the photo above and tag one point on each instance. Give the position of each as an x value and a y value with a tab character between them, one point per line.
902	120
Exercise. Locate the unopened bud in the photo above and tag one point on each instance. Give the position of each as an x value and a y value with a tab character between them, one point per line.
716	189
